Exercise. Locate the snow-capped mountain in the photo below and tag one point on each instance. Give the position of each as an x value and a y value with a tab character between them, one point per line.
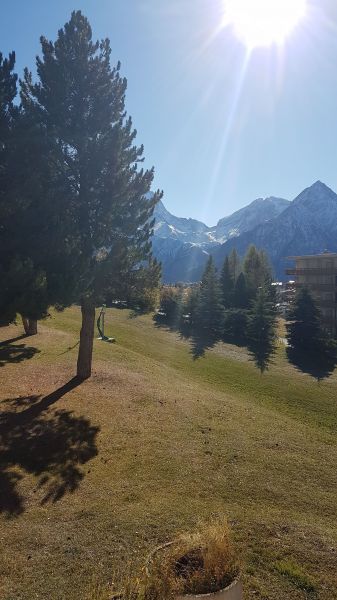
193	231
245	219
183	245
168	226
307	226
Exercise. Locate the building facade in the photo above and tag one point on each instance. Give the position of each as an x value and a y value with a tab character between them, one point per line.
318	273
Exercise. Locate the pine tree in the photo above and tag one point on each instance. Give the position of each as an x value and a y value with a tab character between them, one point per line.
189	311
227	284
262	328
256	269
241	298
20	284
234	265
99	207
210	309
171	299
235	326
7	94
309	348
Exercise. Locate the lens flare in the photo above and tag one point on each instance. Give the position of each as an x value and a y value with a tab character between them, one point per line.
263	22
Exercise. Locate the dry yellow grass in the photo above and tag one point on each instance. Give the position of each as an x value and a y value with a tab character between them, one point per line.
150	445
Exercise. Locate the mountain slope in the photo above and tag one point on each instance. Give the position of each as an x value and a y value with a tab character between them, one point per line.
183	245
307	226
178	228
245	219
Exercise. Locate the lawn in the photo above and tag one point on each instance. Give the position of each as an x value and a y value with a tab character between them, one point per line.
94	476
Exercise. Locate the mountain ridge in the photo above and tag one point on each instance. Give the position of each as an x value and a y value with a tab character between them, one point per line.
308	224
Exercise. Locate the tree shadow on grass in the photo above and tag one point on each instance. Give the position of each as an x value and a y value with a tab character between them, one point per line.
49	445
320	363
200	343
15	353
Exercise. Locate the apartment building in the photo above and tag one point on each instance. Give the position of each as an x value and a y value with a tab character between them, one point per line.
318	273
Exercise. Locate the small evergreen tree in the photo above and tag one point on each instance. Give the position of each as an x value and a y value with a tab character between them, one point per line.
227	284
262	328
309	348
189	311
210	309
171	299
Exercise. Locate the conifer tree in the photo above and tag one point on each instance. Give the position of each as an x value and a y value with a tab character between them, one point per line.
189	311
256	269
210	309
261	331
8	92
227	284
171	299
309	348
99	205
234	265
241	298
20	284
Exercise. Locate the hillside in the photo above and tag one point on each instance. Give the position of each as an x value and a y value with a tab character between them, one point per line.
94	476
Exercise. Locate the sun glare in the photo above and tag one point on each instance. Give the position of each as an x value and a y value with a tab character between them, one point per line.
263	22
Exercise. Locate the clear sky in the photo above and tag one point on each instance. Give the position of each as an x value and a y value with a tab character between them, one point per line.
221	127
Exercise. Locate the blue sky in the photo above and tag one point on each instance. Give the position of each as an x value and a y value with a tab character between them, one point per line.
220	128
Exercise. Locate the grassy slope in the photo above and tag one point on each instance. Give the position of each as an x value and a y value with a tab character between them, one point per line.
178	440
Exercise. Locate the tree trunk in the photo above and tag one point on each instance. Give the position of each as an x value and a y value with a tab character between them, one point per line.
29	325
84	360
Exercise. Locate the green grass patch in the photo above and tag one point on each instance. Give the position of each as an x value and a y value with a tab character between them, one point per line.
294	573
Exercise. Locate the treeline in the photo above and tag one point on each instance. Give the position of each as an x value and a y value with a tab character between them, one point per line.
239	306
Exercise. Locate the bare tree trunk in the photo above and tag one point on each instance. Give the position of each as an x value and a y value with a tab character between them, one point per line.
29	325
25	323
84	360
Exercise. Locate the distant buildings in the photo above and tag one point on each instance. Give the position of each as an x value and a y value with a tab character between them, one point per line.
285	293
318	273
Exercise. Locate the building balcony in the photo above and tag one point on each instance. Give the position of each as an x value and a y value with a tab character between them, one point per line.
332	271
324	287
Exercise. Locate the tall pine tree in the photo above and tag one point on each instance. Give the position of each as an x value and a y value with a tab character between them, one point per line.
210	310
256	269
99	205
227	284
241	298
8	92
234	264
21	286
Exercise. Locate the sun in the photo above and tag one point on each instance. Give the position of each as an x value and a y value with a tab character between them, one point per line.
263	22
